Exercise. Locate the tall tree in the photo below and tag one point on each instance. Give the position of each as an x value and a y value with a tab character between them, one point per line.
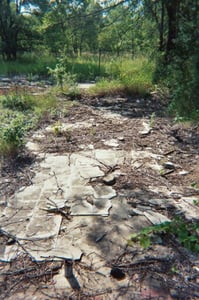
9	29
72	25
178	24
16	26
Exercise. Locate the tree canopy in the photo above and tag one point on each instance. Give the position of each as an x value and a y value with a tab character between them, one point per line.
167	30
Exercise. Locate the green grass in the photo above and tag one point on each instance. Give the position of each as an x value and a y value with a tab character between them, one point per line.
85	70
106	87
115	75
126	76
29	65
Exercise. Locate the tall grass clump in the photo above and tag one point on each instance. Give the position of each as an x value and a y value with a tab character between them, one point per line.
127	76
105	87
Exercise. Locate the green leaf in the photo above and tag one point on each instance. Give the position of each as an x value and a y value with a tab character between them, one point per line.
134	236
145	241
147	230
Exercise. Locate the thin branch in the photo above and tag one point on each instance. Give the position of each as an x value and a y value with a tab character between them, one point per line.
15	239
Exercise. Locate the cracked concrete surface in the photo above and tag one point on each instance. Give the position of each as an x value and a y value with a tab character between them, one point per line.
68	213
63	188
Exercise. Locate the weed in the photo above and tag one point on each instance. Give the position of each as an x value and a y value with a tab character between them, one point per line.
175	270
57	129
131	77
162	171
195	185
93	131
152	120
186	233
68	135
105	87
196	202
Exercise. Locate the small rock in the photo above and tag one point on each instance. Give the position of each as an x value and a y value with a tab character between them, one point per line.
90	147
104	192
196	268
146	130
112	143
175	196
10	241
183	172
156	239
117	273
174	294
155	217
32	146
6	80
169	165
38	136
109	179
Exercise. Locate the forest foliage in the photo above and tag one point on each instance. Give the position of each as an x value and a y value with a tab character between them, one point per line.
163	31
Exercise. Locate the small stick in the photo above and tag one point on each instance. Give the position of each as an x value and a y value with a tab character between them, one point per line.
7	234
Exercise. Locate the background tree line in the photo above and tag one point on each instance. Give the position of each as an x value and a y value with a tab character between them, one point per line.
166	31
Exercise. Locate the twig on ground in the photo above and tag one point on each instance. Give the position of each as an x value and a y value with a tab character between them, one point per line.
57	209
57	183
14	237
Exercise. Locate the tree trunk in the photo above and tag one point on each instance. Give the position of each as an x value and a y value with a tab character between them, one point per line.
161	27
172	7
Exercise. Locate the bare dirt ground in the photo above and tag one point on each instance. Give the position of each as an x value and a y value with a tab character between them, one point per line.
154	276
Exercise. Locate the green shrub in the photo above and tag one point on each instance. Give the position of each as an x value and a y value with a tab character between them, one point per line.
18	114
12	134
186	233
183	80
18	101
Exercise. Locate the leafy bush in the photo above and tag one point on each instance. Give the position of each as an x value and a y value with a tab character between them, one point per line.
63	78
18	114
178	68
12	134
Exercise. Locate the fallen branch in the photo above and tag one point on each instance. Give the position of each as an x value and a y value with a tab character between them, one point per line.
58	186
15	239
18	272
52	271
57	209
144	262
